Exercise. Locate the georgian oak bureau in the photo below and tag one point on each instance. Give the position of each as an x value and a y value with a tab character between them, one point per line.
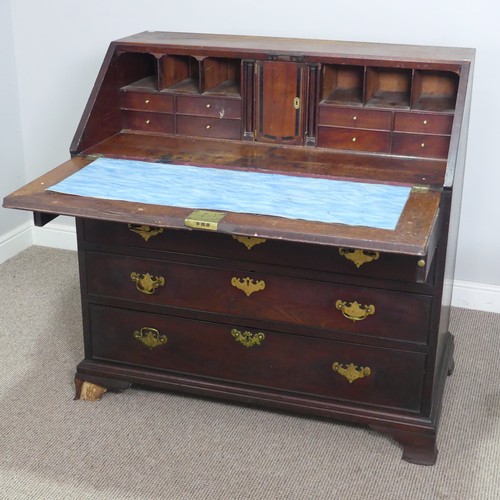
329	319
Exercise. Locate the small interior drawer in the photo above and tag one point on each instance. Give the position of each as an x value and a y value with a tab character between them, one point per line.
258	357
209	106
355	118
354	139
142	101
148	122
425	123
421	145
208	127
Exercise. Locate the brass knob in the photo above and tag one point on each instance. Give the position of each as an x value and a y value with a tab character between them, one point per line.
147	122
422	145
146	101
354	117
208	106
421	263
425	122
208	127
354	139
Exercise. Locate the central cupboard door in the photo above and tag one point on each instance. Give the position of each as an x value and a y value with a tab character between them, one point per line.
280	101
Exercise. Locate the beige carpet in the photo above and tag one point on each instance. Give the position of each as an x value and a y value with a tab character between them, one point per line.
151	445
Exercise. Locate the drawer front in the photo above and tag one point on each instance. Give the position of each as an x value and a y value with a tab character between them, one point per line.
423	123
355	118
321	305
353	139
208	106
162	123
282	253
262	358
425	146
140	101
208	127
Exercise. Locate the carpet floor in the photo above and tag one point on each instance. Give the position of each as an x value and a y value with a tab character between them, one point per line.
143	444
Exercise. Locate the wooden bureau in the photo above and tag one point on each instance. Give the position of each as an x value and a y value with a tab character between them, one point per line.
336	320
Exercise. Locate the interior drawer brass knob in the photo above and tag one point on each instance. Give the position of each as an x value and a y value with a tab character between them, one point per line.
248	339
146	283
150	337
354	310
351	372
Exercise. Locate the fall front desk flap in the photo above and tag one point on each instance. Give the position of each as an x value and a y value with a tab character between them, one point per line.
304	198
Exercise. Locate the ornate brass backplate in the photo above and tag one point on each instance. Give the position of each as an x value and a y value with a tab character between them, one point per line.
359	257
351	372
354	310
248	339
145	231
249	241
146	283
248	285
150	337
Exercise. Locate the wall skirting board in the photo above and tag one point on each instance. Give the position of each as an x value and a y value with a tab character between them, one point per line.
466	294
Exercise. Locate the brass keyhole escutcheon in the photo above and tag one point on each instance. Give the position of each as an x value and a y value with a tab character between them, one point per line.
296	103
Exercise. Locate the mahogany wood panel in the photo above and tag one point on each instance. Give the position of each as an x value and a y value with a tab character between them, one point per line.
162	123
424	123
277	298
209	106
355	118
425	145
142	101
324	258
354	139
280	361
280	102
200	126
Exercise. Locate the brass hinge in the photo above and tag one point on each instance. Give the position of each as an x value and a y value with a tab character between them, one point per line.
94	156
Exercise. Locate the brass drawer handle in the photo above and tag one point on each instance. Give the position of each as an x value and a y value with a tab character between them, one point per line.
354	310
358	257
248	285
150	337
145	231
248	339
351	371
146	283
249	241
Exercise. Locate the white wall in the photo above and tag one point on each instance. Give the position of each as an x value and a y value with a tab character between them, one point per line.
59	46
12	172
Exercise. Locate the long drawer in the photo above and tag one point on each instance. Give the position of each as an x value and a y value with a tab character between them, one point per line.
261	358
234	292
349	261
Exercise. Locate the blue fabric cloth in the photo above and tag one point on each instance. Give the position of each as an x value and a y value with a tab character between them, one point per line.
293	197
